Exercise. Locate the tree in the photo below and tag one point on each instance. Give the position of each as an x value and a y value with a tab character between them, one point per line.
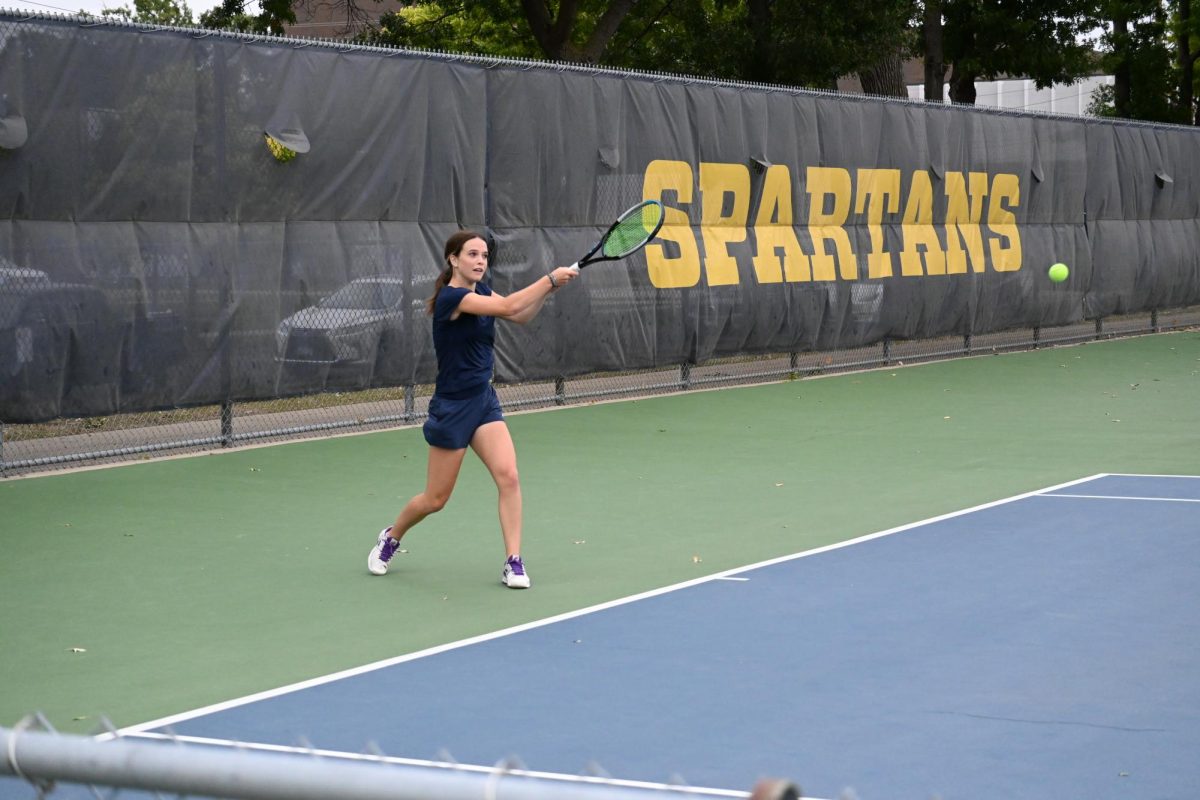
935	54
795	42
1139	58
578	31
1187	29
491	26
886	76
232	15
815	42
153	12
988	39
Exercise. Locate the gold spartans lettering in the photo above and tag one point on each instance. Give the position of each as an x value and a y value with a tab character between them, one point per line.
979	228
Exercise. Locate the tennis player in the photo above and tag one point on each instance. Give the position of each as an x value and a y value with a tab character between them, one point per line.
464	410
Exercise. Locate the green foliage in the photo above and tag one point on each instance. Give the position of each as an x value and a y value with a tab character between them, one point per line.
798	42
494	27
794	42
233	15
153	12
1039	39
1139	53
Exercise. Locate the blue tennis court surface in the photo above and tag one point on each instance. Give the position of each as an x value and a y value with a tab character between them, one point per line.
1046	645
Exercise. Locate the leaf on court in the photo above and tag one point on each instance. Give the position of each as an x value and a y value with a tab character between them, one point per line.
77	649
779	484
945	418
255	469
696	559
581	541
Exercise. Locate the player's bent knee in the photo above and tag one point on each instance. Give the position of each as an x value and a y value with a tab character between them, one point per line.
435	502
508	479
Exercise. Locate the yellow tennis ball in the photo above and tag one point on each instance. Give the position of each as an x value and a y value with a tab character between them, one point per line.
1059	272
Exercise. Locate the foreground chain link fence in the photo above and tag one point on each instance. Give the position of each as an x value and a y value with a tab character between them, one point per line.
66	443
35	753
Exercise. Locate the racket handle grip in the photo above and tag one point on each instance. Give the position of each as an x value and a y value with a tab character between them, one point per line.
574	267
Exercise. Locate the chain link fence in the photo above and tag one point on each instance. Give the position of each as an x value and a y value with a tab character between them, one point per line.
69	443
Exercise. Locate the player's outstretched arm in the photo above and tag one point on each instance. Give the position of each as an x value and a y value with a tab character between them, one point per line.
520	306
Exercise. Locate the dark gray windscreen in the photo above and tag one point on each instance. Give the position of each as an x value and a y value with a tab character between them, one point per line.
153	252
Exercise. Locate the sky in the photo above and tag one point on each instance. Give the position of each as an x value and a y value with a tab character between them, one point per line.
91	6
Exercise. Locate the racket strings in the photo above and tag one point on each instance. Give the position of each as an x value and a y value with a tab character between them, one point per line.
633	231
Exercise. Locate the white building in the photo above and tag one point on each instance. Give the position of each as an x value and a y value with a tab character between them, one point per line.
1023	95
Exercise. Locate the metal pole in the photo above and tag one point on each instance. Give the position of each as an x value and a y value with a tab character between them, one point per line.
174	767
227	423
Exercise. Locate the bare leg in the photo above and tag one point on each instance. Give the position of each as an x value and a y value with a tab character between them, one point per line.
494	446
440	478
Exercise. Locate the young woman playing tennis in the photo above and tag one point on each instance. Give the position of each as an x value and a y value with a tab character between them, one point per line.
464	410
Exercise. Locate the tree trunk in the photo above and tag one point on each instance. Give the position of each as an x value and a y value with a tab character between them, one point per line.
761	64
1187	64
935	67
962	87
552	35
885	77
605	30
1122	75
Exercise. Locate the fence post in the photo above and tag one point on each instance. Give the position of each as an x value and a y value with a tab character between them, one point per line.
560	391
685	376
794	365
226	423
887	350
410	402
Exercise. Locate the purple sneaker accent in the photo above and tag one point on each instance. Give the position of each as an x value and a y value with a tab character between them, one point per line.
385	547
514	576
389	549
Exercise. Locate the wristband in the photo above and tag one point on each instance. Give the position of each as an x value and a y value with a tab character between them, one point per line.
553	283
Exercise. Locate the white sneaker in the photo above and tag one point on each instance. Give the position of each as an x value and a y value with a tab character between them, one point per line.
385	547
514	576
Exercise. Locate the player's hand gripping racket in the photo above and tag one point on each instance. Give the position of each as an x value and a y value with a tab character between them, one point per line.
632	231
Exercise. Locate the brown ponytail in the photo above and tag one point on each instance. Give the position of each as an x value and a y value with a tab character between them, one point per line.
454	246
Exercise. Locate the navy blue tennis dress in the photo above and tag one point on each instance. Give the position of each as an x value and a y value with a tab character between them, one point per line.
463	398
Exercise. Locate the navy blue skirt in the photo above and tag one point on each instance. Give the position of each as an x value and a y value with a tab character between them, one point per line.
452	422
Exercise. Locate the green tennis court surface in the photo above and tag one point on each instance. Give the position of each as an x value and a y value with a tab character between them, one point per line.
141	591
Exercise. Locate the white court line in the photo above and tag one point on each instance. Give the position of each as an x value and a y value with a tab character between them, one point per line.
442	648
1127	497
1149	475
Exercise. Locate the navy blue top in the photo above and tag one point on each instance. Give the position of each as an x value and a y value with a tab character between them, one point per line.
463	345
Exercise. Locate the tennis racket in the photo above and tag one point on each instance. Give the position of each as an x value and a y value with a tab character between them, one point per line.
632	231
